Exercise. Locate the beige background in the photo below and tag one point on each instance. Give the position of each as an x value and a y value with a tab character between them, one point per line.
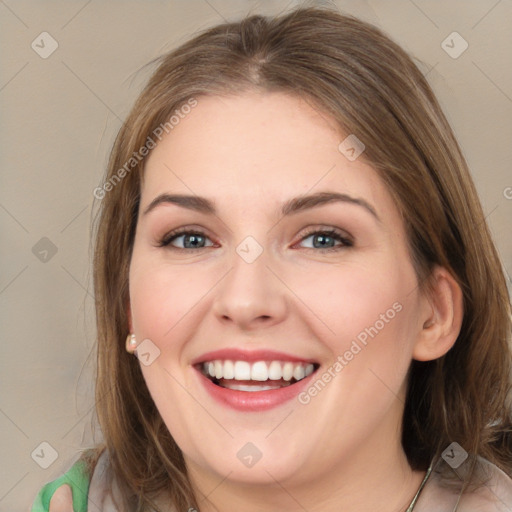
60	116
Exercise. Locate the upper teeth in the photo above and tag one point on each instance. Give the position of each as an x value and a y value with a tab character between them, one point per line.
259	370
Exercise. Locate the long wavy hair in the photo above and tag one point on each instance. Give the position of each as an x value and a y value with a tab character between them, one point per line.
356	75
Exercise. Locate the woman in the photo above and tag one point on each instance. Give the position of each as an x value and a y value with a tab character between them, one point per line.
290	242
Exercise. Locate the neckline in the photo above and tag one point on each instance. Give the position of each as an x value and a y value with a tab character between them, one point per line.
410	508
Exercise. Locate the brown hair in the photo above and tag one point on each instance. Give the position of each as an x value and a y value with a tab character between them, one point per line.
354	74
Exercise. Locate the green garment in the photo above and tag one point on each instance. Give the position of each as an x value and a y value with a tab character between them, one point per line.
78	478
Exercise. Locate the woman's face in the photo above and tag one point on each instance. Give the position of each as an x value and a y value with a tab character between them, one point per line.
273	291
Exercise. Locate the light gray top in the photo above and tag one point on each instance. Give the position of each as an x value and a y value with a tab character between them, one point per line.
435	495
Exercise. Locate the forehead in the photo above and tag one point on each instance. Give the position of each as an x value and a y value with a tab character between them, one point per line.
256	148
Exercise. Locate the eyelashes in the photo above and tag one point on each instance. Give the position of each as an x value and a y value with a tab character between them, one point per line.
193	236
178	233
330	233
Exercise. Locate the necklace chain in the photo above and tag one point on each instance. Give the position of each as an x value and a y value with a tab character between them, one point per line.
410	508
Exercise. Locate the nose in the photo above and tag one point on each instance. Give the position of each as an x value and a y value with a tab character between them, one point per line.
251	295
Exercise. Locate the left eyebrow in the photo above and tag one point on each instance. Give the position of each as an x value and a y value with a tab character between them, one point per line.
196	203
301	203
294	205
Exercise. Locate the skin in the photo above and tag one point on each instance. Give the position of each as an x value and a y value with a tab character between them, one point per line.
250	154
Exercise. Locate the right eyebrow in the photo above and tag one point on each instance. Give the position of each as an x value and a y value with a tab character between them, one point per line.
196	203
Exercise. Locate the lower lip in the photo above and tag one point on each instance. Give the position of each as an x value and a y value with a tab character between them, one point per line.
253	400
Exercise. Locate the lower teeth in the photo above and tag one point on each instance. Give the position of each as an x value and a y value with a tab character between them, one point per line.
251	387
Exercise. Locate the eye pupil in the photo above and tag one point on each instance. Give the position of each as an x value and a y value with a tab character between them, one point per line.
322	238
193	239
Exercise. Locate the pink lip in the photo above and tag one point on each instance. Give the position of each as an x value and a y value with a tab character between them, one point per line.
253	401
236	354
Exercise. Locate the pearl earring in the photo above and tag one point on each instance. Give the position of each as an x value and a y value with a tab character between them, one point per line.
131	343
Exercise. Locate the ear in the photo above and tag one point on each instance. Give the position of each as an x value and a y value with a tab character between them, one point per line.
441	316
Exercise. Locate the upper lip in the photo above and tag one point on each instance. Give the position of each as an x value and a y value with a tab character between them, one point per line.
238	354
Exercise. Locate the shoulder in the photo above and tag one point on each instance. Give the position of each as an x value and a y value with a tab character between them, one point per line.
70	491
490	490
493	495
62	500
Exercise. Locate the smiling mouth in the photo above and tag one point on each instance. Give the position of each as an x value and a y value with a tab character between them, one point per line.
256	376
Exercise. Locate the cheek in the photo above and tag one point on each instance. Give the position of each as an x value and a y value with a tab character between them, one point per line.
165	301
352	300
365	317
162	296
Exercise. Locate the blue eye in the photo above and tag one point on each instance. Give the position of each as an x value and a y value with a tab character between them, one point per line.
197	239
193	239
324	237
